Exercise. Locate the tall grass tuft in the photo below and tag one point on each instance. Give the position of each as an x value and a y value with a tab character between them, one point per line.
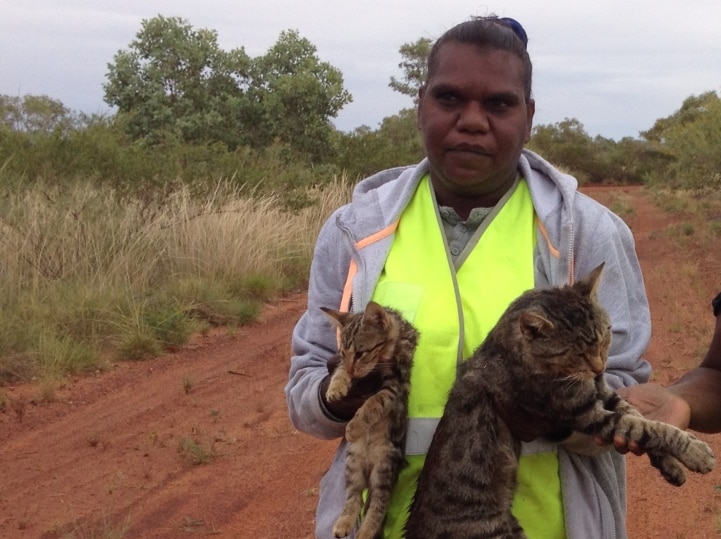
88	275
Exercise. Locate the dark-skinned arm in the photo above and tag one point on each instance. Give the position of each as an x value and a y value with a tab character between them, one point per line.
701	388
693	401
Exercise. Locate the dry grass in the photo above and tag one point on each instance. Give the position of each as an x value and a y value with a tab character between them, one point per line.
88	234
196	452
622	205
697	227
85	274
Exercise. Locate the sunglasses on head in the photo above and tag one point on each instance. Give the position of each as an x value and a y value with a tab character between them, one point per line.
514	25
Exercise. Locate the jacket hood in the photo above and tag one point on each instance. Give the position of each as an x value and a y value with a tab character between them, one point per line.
549	186
388	192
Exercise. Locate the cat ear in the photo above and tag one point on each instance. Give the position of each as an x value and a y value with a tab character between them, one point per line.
591	282
534	325
337	318
375	314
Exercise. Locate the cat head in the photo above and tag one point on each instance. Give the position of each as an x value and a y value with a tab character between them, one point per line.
566	332
366	339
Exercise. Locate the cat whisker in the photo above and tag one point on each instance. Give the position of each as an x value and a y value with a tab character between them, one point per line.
570	380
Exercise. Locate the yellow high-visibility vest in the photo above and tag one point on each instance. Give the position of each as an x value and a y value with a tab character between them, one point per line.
453	311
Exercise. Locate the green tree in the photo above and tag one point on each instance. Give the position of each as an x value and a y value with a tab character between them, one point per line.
592	160
565	143
176	81
396	142
689	142
414	68
692	108
295	95
34	114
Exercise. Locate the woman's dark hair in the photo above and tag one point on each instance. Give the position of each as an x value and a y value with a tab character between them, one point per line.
488	33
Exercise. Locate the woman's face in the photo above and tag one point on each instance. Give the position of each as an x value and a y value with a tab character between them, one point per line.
474	120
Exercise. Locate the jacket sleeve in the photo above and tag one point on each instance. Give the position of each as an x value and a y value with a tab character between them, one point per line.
622	293
605	238
314	340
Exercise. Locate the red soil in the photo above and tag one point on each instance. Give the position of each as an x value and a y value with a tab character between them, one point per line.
104	455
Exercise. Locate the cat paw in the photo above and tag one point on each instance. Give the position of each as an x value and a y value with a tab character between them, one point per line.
335	392
354	431
331	396
339	385
343	527
698	457
669	467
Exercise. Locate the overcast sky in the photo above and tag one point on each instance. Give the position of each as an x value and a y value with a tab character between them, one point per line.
615	65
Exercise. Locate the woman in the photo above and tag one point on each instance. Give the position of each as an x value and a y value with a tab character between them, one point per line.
450	242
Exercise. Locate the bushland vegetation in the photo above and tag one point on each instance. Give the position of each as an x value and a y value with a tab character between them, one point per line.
88	275
201	196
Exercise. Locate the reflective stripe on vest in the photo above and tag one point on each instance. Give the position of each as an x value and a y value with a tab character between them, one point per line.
453	311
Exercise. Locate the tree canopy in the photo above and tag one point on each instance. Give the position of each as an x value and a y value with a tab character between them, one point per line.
690	142
294	95
189	111
414	67
34	114
176	82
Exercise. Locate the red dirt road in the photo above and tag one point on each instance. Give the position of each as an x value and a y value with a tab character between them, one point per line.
104	459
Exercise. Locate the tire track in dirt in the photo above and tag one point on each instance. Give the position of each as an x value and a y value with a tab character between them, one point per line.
107	452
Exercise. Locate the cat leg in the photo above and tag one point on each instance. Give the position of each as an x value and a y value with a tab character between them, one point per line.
343	527
373	410
375	514
382	480
663	442
355	483
696	455
634	428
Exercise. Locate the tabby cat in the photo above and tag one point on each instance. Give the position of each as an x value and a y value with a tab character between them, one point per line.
381	341
542	363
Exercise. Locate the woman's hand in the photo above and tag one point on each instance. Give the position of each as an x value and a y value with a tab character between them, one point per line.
656	403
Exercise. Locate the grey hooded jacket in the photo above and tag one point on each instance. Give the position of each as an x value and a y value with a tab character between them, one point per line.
581	234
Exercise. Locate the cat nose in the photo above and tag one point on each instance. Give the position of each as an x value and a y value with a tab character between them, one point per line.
598	365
